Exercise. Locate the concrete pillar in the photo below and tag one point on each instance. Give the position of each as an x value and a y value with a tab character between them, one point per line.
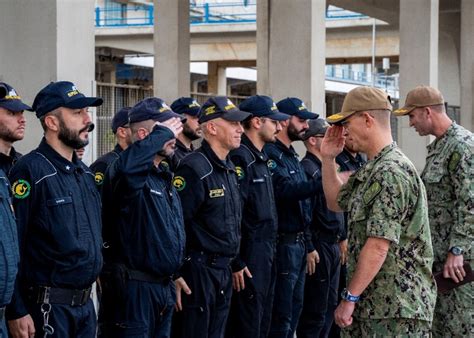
418	65
216	79
44	41
171	74
291	40
467	64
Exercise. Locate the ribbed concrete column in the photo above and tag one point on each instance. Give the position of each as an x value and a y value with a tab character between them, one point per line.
216	79
467	64
44	41
418	65
171	75
291	40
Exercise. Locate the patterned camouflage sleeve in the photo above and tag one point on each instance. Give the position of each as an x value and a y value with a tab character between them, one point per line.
387	201
461	169
345	194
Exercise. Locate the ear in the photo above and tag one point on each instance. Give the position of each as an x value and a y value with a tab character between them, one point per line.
256	123
142	133
52	122
285	123
211	128
369	120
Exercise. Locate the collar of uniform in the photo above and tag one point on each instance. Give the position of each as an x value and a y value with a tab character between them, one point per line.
284	148
181	146
211	155
261	155
313	158
13	157
363	175
117	149
438	144
56	159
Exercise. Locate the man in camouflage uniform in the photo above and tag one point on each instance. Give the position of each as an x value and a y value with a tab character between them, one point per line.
391	291
448	178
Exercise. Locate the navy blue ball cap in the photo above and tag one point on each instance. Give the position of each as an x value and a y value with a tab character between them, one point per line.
295	107
186	105
10	100
221	106
152	108
262	106
120	119
62	94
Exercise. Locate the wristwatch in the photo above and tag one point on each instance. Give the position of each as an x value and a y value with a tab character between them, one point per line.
456	251
346	295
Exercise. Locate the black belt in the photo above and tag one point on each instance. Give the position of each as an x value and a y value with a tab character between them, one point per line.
2	313
213	260
147	277
50	295
290	237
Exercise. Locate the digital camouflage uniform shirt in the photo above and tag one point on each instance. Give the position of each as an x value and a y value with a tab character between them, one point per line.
448	178
386	199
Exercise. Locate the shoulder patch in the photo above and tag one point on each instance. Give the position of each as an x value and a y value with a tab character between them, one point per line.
99	178
454	161
373	191
165	164
271	164
179	183
240	173
21	189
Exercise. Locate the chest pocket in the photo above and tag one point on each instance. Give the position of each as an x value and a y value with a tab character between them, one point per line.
439	189
259	198
62	216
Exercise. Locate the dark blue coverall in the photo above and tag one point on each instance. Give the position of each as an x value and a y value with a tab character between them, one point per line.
57	207
292	193
321	288
7	161
211	202
9	243
251	308
346	162
147	242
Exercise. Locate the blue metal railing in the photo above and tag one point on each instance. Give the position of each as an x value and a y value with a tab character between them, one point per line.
244	11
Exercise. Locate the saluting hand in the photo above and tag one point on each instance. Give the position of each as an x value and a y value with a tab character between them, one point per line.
333	142
174	124
180	284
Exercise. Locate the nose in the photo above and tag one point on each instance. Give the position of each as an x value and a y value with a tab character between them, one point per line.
305	125
87	116
240	129
21	118
278	127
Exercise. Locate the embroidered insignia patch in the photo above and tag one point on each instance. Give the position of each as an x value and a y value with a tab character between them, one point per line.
240	172
21	189
454	161
271	164
99	178
373	191
216	193
179	183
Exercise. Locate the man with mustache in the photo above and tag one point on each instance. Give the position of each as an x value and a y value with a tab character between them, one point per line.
448	178
208	187
294	252
59	223
254	268
146	243
189	108
12	125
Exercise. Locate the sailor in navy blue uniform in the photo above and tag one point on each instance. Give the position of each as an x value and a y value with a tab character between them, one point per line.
57	207
148	239
207	182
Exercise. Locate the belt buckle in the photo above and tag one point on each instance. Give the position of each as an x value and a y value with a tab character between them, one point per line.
79	297
213	259
43	295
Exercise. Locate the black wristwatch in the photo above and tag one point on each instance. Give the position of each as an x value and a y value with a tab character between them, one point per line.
346	295
456	251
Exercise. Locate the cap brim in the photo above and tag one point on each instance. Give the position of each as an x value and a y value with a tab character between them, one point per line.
15	105
84	102
339	117
165	116
403	111
278	116
236	116
306	115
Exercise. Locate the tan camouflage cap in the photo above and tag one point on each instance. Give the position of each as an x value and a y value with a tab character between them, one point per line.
421	96
362	99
